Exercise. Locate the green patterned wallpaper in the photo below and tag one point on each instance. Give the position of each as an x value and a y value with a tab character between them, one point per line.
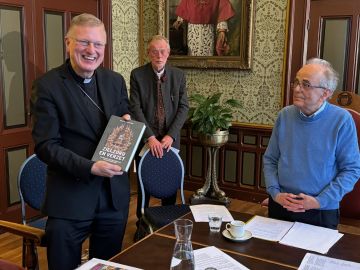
259	89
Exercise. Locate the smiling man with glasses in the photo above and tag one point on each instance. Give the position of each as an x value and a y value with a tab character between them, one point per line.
312	159
71	105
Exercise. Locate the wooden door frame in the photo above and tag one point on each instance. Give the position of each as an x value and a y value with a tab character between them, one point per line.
105	10
296	43
20	134
31	64
104	13
348	12
297	40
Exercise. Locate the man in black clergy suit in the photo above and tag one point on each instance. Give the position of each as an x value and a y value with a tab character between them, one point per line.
158	98
71	106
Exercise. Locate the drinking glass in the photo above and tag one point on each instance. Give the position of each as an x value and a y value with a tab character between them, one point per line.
215	221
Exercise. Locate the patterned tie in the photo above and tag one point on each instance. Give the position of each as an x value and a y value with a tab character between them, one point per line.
160	111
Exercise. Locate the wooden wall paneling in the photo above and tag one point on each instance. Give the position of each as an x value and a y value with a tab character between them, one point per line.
238	190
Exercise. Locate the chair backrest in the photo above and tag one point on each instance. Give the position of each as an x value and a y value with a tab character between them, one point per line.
161	177
350	204
31	184
346	100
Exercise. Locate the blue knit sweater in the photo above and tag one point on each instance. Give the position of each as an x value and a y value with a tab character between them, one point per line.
318	156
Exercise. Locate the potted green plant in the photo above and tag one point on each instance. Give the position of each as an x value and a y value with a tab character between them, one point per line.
211	117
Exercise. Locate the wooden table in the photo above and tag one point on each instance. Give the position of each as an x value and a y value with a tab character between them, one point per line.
155	251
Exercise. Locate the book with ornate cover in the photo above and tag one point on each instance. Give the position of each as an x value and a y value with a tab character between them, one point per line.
97	264
119	142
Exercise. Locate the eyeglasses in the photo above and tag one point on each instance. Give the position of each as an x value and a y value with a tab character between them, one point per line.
158	52
305	85
86	43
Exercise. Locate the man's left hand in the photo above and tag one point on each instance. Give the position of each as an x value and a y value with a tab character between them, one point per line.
309	202
302	202
167	142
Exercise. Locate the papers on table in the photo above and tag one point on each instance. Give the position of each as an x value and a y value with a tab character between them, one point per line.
311	237
268	228
318	262
97	264
294	234
201	212
214	257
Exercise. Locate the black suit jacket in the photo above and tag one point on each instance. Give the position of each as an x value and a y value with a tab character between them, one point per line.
66	137
143	99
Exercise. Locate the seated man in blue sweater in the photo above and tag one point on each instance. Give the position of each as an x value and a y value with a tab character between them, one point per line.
312	159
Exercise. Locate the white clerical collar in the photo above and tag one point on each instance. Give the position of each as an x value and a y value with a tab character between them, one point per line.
87	80
159	73
322	107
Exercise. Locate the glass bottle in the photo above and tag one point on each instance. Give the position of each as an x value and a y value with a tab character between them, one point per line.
183	254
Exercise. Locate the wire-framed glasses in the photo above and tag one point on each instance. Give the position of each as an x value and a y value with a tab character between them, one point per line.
86	43
156	52
306	85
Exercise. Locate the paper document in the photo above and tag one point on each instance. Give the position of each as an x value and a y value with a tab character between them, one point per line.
97	264
214	257
311	237
294	234
268	228
318	262
201	212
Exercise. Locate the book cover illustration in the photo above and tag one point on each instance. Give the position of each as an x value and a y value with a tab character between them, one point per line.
101	266
98	264
119	142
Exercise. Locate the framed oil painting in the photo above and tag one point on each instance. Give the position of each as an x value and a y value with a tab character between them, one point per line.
208	33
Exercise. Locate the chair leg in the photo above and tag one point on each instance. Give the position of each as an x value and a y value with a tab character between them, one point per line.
142	230
148	224
151	229
31	255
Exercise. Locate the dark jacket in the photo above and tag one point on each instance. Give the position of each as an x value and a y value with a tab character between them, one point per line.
143	99
66	136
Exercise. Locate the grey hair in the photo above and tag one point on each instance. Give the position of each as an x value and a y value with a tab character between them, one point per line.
158	37
84	19
330	78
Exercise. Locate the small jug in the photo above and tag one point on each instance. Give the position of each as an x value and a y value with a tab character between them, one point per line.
183	254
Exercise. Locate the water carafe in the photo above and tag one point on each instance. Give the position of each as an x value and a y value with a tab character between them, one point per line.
183	254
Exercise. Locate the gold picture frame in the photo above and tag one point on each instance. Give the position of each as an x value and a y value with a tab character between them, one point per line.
239	37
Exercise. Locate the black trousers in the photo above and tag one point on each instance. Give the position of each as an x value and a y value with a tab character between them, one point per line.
323	218
65	237
166	201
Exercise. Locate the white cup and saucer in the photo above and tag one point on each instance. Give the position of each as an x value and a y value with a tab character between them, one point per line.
235	231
